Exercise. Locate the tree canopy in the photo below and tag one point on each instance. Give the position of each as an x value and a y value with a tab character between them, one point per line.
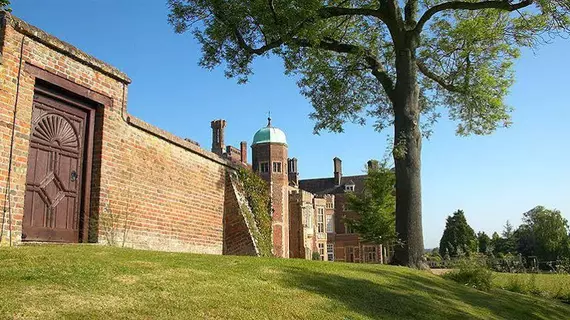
544	233
375	207
344	51
458	237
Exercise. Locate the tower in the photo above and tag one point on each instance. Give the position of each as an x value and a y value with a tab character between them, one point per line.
269	160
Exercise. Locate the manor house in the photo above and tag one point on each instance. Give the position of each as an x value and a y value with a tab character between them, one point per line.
76	167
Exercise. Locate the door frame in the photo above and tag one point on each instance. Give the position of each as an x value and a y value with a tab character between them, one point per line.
94	99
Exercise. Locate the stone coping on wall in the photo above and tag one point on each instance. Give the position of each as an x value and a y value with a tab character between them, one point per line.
169	137
62	47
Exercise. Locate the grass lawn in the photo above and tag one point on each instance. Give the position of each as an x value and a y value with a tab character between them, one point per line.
53	282
547	285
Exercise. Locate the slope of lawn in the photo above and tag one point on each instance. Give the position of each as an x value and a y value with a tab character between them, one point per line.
95	282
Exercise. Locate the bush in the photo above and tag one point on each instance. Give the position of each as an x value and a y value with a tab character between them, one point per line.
316	256
473	275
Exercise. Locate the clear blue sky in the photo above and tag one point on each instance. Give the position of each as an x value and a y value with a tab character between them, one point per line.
492	178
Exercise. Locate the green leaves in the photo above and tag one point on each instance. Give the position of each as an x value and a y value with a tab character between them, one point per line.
4	5
375	207
466	51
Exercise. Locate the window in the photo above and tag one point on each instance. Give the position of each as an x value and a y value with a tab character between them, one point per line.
330	205
276	167
264	167
330	251
349	187
348	228
309	220
330	223
320	220
322	251
344	207
370	254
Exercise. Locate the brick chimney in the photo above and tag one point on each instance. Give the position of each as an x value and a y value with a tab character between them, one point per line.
292	170
337	171
218	127
243	151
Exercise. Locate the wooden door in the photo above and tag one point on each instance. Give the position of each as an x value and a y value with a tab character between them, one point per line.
55	171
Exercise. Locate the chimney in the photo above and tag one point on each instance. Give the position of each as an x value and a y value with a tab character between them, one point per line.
292	171
337	171
218	127
243	151
373	165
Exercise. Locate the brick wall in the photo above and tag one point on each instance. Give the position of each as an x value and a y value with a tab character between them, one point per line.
167	193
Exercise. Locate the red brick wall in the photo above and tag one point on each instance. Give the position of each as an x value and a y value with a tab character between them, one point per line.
170	192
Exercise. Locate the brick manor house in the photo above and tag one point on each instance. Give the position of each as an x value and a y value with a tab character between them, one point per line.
76	167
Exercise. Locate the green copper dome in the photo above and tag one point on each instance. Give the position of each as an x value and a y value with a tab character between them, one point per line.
269	134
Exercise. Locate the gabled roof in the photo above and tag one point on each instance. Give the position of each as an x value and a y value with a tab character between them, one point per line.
327	185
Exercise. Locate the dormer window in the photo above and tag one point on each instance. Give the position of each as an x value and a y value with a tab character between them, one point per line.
349	187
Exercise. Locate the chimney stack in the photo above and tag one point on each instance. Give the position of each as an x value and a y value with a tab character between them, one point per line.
292	171
373	165
243	151
337	171
218	145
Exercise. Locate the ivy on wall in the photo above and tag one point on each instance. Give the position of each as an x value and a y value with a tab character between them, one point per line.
256	192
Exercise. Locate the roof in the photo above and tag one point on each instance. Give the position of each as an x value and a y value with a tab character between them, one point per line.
269	134
327	185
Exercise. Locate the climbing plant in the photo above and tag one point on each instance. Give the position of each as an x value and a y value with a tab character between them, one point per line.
257	195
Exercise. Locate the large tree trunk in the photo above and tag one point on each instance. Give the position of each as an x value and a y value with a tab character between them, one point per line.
407	158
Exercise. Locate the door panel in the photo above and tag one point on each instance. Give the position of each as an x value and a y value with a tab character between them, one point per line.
55	167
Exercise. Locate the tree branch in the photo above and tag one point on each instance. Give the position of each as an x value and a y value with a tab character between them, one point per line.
437	78
461	5
374	65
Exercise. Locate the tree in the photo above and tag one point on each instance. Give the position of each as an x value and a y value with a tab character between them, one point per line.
386	60
544	233
375	207
4	5
483	242
505	244
458	237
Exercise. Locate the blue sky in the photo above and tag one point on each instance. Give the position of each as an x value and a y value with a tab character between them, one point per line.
492	178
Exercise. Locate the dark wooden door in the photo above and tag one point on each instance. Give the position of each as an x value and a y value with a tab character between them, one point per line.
55	166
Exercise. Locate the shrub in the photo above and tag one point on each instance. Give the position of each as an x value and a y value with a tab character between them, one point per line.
472	274
316	256
257	195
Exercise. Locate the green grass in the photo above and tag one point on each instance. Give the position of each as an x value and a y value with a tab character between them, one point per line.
547	285
81	282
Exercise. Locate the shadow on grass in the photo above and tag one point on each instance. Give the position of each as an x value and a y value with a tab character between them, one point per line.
416	296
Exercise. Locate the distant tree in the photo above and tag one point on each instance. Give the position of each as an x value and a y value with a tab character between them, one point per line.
525	241
544	233
393	61
507	243
458	237
375	206
484	243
